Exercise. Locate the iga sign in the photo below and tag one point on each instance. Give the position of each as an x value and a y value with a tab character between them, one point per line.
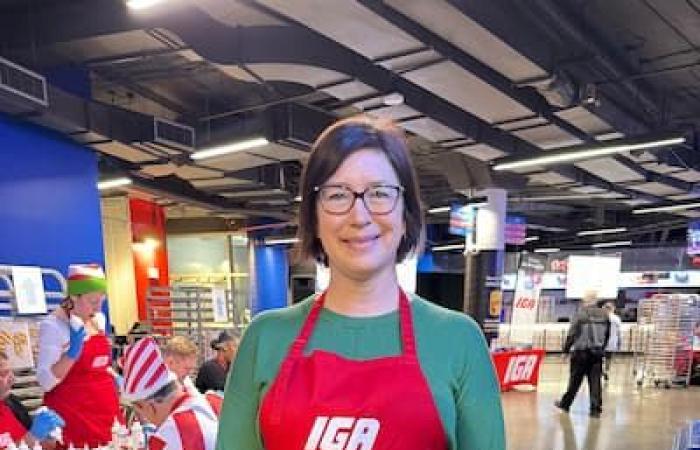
527	294
518	367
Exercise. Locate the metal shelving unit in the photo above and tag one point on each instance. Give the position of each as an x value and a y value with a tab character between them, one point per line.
665	340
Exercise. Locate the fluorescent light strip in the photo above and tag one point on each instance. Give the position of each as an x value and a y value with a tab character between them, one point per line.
281	241
113	183
532	238
141	4
546	250
601	231
444	248
439	210
611	244
229	148
669	208
586	153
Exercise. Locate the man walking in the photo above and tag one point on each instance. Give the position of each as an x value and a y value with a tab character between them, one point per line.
614	341
587	338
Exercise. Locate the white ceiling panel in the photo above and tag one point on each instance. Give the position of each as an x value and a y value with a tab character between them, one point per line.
124	151
299	73
529	122
468	92
689	213
394	112
280	152
430	129
548	136
655	188
348	22
449	23
610	170
549	178
686	196
661	168
583	119
236	161
587	190
691	176
351	89
482	152
217	182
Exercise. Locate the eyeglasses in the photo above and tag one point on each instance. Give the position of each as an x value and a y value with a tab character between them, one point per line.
339	199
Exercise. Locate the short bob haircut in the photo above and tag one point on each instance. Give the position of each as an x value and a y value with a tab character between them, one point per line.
334	146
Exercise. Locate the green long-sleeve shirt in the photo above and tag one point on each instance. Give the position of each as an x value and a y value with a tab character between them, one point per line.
451	351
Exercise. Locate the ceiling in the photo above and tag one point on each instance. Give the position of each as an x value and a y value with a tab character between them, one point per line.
480	80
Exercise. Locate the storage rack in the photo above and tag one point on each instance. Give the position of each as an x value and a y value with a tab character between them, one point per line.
186	310
26	387
666	324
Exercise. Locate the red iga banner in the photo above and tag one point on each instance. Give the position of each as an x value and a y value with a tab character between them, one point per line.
518	367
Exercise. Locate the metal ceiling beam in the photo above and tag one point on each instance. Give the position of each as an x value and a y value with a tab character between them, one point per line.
284	44
526	97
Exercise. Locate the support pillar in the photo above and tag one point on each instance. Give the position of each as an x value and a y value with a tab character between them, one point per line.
484	260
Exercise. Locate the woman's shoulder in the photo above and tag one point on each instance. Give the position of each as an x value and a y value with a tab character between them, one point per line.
437	318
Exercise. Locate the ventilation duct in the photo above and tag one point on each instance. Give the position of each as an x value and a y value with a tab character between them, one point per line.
18	85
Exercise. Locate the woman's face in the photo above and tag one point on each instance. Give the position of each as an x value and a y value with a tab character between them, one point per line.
360	244
87	305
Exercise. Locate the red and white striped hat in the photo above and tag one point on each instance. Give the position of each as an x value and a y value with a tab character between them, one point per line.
145	371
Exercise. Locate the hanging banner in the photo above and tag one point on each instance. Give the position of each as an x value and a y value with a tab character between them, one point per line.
29	290
16	344
526	298
515	229
218	304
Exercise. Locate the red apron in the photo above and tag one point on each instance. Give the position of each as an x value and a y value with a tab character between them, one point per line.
11	429
87	397
325	401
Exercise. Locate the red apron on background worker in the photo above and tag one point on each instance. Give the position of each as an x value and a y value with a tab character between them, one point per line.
74	364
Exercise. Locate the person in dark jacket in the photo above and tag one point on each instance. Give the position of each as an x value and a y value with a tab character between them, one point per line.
212	374
587	338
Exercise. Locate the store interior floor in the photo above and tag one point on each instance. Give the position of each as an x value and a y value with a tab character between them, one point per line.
633	418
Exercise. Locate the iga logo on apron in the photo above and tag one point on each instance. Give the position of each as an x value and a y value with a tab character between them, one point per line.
343	433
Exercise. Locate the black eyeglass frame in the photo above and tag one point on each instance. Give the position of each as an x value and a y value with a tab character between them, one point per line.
399	191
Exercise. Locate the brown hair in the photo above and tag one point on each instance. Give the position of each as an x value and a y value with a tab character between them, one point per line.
3	355
332	147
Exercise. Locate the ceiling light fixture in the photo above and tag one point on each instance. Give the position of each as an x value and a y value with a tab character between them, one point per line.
230	148
611	244
532	238
281	241
601	231
669	208
439	210
141	4
546	250
113	183
445	248
580	152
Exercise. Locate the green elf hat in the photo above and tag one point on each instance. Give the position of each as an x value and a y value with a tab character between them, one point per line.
84	278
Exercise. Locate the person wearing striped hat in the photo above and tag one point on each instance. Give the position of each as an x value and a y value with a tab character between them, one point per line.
184	421
74	362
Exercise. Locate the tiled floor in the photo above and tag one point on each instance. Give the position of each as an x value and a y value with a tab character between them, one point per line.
633	418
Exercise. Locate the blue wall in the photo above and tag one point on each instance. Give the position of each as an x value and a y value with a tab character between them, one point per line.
49	203
270	277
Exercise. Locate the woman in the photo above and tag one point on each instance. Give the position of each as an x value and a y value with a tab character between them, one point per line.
362	365
74	363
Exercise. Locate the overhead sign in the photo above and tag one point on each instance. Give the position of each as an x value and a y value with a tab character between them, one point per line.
593	273
515	229
462	220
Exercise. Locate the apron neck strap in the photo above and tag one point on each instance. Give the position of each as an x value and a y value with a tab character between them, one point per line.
405	326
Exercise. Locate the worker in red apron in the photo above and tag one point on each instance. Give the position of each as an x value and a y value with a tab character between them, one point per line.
324	399
183	420
362	366
15	422
74	363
